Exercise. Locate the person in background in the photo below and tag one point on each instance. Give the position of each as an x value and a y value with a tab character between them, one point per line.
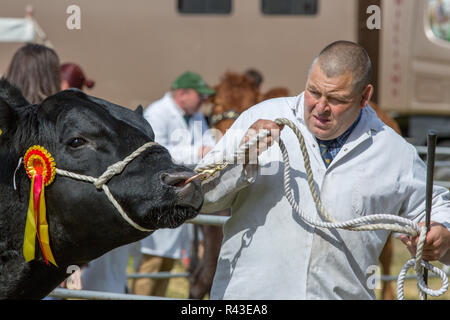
72	76
34	69
181	128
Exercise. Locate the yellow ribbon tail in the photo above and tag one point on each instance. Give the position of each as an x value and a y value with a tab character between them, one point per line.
30	230
43	229
33	220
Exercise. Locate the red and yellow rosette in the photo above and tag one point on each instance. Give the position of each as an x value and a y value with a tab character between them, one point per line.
41	169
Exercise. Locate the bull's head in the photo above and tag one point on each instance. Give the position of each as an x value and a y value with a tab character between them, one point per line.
85	135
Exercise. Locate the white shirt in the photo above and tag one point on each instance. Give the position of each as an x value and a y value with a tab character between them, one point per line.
183	142
268	252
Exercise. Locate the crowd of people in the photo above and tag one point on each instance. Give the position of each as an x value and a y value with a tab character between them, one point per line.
264	241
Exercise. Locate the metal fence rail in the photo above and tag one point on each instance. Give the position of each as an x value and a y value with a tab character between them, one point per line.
158	275
209	220
444	151
100	295
440	151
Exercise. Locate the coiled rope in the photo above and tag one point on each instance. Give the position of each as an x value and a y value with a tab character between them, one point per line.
367	223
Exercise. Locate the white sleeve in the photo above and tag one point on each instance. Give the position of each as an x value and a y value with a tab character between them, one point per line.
221	190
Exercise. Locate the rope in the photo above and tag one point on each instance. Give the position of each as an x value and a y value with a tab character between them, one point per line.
367	223
111	171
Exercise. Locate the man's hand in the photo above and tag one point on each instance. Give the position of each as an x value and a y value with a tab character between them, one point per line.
263	144
436	244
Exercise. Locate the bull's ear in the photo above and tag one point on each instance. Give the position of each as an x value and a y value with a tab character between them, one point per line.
11	94
139	110
8	119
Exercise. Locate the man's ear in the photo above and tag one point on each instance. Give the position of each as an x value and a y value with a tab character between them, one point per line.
8	119
366	96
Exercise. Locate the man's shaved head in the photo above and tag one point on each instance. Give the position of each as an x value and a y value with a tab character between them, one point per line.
344	56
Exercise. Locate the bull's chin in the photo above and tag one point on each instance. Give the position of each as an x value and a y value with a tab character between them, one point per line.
170	217
179	216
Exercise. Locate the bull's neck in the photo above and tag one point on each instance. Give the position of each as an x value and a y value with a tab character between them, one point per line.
35	280
18	279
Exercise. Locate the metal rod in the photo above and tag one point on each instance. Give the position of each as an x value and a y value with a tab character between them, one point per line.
158	275
99	295
431	144
209	220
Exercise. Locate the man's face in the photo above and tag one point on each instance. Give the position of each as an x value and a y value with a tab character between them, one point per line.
330	105
190	101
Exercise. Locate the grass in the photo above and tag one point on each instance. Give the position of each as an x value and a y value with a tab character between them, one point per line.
179	287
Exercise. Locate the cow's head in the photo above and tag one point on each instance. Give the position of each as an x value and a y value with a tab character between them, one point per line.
85	135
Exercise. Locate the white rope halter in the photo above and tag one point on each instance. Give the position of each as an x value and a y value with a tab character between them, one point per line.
398	224
111	171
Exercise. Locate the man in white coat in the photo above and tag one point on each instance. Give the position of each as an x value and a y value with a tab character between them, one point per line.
360	167
182	129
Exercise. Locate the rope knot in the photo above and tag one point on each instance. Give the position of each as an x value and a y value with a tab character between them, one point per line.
110	172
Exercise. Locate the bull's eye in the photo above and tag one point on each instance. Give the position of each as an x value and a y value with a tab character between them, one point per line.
77	142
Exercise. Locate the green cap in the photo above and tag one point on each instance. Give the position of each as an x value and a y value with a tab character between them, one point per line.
191	80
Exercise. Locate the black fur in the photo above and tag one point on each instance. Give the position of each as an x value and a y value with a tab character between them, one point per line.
83	224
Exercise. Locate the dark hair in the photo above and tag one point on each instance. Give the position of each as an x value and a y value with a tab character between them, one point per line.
255	76
34	69
75	77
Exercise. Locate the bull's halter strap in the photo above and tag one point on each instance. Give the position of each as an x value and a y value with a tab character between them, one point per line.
230	114
111	171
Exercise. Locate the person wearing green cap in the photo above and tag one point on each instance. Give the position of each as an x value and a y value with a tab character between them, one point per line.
182	129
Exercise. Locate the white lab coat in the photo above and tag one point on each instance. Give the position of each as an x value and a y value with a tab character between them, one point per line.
109	272
268	252
183	142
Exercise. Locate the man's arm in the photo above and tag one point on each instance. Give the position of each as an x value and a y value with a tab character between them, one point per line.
220	192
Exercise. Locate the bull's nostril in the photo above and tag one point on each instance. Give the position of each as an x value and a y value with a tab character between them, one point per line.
176	180
179	184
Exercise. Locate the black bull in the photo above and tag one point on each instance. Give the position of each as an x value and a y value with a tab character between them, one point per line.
84	135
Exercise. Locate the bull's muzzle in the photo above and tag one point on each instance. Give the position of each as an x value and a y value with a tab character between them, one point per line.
188	194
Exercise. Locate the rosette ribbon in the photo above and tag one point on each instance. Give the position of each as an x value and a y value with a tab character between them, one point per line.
41	169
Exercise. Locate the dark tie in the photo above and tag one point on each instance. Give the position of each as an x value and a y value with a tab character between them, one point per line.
186	118
325	153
